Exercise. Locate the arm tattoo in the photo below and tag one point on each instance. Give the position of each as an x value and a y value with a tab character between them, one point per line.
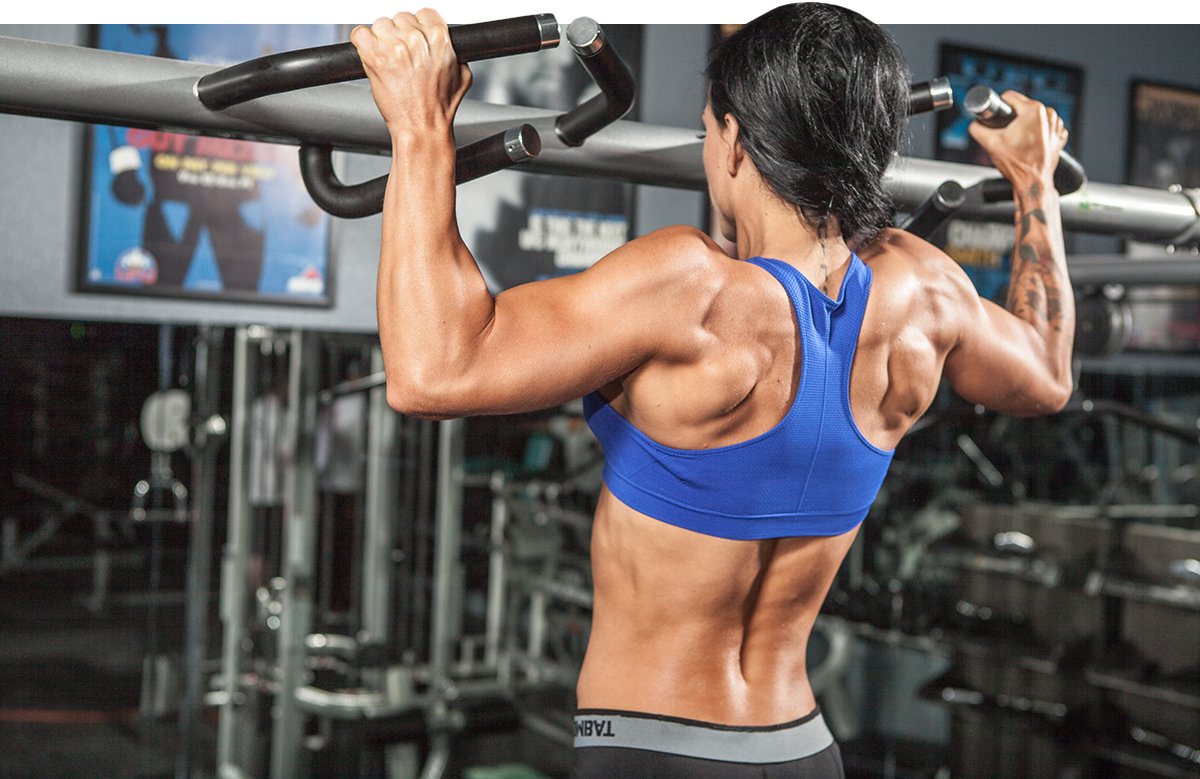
1038	279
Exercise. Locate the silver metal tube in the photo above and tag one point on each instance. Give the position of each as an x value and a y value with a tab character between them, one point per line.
497	574
537	623
562	591
91	85
439	756
199	567
447	549
299	563
1121	270
378	531
1109	209
234	559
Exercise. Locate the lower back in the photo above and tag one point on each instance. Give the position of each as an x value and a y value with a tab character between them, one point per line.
700	627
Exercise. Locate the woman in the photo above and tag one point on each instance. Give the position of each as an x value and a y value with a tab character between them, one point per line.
747	406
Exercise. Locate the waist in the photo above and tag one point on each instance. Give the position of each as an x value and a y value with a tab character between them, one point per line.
786	741
679	674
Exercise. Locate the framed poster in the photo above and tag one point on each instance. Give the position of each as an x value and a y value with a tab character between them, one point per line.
1163	152
1164	136
984	249
523	227
167	214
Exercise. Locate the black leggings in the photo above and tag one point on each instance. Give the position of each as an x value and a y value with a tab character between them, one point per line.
633	745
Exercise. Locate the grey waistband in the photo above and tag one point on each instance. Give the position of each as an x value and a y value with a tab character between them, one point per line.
630	730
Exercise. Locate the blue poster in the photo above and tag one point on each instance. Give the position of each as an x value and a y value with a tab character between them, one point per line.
199	216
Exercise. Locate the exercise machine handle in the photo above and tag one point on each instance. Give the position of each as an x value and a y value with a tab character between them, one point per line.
611	74
292	70
934	95
473	161
947	199
990	110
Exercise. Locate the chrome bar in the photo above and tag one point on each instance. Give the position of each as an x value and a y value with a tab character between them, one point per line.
234	560
288	755
90	85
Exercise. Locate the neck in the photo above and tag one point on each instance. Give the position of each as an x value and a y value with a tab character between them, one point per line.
772	228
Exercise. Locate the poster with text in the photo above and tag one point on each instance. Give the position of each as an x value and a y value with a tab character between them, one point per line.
524	227
167	214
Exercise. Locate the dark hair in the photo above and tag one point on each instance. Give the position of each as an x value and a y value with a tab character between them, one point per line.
821	98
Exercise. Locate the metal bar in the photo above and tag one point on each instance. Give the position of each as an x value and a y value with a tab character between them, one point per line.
563	591
90	85
497	574
1121	270
362	384
447	551
199	567
421	530
1108	209
235	557
299	565
379	527
439	756
446	567
537	623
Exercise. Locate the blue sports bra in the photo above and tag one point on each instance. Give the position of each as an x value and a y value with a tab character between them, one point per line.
813	474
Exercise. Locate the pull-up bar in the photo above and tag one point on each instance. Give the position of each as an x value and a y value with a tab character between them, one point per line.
89	85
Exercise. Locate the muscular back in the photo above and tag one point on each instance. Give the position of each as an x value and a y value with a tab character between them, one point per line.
716	629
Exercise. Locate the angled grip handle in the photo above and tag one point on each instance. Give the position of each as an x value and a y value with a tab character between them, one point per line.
355	201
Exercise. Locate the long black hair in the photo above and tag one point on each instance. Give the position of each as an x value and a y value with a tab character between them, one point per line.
821	96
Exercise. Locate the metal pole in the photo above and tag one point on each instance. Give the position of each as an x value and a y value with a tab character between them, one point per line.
234	559
1118	269
379	531
447	550
497	574
288	755
199	567
91	85
446	569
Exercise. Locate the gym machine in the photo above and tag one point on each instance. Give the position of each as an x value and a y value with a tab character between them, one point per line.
74	83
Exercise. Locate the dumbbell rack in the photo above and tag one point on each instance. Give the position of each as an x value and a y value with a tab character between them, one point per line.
1084	653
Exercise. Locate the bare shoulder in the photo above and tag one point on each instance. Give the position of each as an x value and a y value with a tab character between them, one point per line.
675	252
915	276
898	253
679	270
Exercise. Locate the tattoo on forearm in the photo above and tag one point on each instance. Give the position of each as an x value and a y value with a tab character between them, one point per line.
1027	220
1035	288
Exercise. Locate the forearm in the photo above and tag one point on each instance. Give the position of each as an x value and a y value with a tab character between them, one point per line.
433	304
1039	290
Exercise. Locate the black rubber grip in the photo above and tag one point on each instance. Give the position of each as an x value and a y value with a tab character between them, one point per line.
303	68
991	110
327	190
933	213
934	95
611	74
495	153
355	201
